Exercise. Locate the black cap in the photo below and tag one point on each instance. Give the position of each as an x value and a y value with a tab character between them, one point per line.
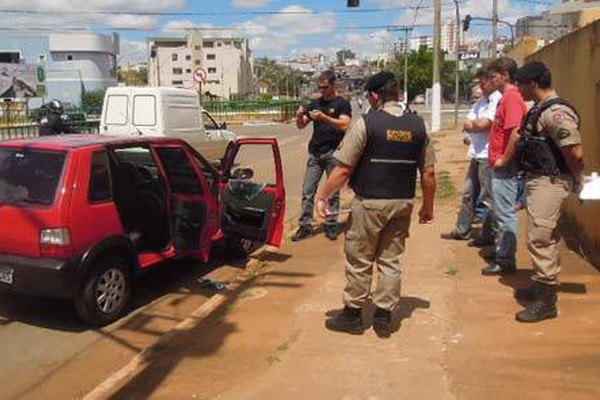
531	72
377	82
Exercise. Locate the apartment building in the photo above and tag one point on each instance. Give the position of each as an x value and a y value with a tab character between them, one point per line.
225	64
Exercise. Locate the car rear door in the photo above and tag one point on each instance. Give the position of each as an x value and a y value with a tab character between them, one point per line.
194	210
253	193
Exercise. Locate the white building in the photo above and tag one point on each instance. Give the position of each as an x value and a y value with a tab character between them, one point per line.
224	63
448	36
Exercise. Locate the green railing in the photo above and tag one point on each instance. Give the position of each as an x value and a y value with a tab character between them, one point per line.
232	111
18	124
25	123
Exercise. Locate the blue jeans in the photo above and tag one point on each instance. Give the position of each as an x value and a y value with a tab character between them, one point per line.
504	193
315	166
477	186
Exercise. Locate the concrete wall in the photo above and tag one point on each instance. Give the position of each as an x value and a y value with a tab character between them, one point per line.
575	64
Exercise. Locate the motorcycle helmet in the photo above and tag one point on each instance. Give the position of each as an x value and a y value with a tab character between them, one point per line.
56	107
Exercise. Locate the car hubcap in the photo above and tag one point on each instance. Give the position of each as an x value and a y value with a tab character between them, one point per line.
110	291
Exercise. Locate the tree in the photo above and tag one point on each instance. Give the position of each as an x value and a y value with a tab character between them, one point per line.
420	74
282	80
91	100
343	55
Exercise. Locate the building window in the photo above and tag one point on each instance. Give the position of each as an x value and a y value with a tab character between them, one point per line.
208	44
219	44
212	70
197	62
188	57
177	71
174	57
211	56
69	57
11	57
188	71
177	83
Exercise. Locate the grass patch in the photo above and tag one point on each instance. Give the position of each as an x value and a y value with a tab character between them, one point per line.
445	187
451	271
272	359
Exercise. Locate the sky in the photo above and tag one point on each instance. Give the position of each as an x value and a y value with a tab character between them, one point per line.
277	29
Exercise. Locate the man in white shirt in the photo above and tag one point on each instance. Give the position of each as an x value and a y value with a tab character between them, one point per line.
478	179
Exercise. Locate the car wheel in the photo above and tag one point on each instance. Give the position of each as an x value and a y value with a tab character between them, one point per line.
241	247
105	292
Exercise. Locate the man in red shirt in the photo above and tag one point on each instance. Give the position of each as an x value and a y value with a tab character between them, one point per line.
511	110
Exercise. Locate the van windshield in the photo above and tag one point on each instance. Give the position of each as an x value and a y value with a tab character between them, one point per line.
30	176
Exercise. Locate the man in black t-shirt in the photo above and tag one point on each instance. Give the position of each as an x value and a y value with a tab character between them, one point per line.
331	116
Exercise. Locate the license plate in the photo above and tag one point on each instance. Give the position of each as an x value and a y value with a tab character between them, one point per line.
6	275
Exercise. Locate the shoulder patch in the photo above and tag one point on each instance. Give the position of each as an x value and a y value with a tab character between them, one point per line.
563	133
558	117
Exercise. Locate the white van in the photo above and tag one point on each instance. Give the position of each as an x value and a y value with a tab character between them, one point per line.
163	111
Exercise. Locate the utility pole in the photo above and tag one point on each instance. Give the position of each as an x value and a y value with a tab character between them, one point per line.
457	31
494	28
436	100
406	30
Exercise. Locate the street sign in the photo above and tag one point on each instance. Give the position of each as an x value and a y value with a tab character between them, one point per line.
200	75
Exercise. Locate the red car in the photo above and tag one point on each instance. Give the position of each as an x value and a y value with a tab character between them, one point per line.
82	215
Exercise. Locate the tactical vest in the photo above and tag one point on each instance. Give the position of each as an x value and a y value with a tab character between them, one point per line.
388	167
537	154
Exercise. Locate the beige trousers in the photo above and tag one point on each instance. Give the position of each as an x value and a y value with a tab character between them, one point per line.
545	196
376	238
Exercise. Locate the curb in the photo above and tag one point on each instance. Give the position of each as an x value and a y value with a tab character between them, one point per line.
145	358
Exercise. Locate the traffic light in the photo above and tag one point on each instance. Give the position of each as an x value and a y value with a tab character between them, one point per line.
353	3
467	22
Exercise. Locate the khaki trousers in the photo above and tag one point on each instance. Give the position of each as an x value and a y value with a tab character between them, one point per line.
545	196
376	236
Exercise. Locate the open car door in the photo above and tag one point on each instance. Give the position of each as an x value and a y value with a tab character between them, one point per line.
253	193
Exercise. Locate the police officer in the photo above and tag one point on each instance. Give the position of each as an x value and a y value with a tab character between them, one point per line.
53	123
380	157
549	151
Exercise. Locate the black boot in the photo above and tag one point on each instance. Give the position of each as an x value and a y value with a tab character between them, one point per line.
349	320
530	293
543	307
382	323
303	232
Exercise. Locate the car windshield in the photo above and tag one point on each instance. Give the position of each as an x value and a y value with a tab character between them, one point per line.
30	176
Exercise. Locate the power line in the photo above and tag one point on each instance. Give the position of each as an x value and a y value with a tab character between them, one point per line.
215	13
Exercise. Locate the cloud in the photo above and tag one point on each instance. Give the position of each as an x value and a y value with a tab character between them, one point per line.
250	3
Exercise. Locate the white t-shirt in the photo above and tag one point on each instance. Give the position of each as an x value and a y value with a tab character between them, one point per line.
485	107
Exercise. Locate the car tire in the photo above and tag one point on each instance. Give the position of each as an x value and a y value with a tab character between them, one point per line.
105	292
240	247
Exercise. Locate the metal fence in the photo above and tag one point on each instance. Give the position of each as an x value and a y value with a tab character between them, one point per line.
25	123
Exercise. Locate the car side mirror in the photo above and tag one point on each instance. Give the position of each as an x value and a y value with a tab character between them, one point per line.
243	173
224	125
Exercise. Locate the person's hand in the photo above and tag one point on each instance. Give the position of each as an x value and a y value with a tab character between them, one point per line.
499	163
300	111
425	215
317	115
323	207
468	126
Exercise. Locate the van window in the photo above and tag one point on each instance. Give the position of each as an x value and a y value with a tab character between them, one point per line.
144	110
30	176
116	110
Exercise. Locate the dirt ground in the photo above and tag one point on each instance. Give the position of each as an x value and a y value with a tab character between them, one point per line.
457	337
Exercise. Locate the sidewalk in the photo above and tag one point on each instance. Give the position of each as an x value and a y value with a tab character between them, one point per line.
458	338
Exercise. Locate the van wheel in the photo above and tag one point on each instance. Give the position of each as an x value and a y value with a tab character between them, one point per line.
105	292
241	247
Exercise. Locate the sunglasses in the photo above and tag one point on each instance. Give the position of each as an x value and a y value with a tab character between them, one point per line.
324	87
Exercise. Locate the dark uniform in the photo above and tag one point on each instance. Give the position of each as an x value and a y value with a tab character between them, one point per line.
54	125
551	124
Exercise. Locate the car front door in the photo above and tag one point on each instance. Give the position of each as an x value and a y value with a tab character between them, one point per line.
253	193
194	210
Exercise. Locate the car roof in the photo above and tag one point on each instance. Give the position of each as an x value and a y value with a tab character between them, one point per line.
76	141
